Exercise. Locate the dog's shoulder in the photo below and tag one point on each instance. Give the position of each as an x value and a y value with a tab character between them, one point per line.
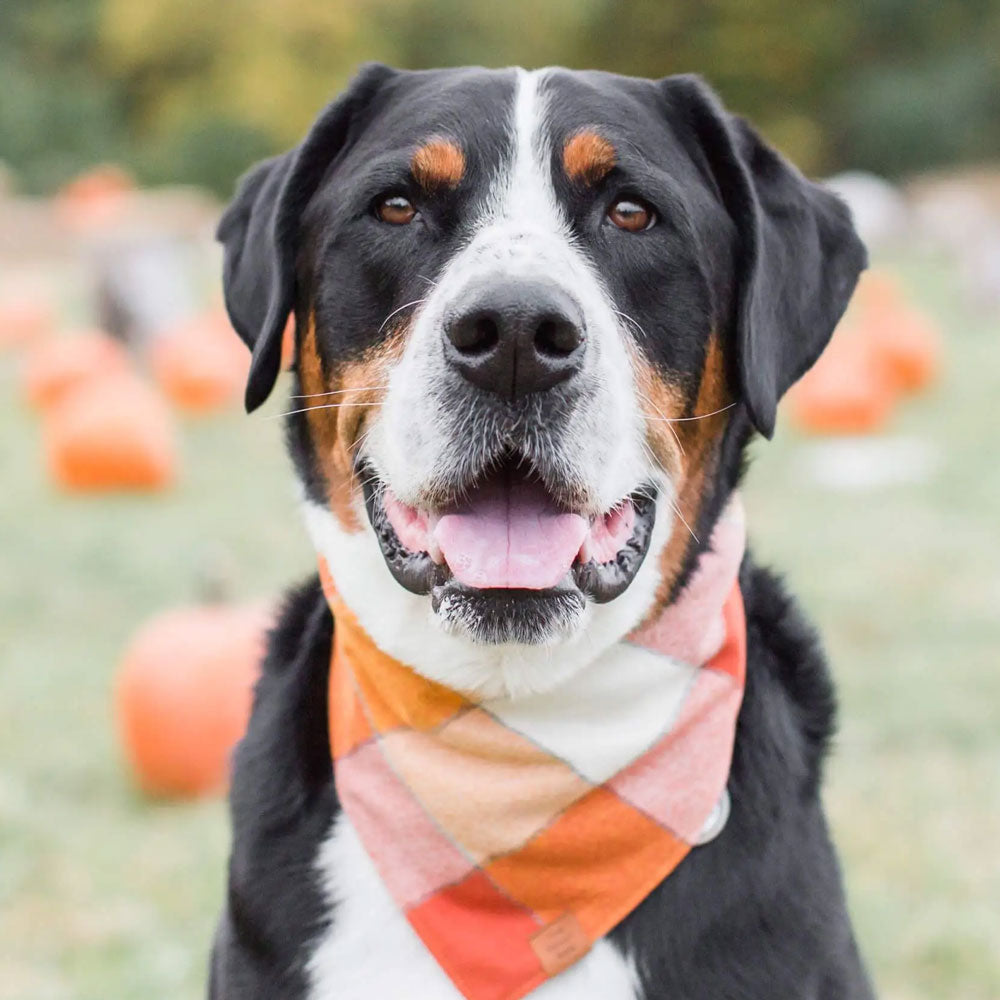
283	803
285	753
790	700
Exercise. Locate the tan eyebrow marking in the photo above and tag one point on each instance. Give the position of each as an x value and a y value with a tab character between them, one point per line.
588	157
438	163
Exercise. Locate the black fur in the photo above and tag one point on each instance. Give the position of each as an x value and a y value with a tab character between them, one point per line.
282	802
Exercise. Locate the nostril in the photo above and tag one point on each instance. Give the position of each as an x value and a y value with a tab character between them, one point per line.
475	337
487	334
557	338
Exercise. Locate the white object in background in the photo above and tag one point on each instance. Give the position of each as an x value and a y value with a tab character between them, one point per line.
857	464
880	212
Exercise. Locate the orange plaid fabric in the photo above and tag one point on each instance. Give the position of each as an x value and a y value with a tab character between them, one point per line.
510	845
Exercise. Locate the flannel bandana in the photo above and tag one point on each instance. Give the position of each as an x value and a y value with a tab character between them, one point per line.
514	833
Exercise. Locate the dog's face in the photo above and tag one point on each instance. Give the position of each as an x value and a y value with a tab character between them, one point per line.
536	316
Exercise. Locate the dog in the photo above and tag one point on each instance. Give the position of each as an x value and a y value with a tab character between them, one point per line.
538	318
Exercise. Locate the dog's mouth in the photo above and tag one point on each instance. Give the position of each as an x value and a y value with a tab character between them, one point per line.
509	540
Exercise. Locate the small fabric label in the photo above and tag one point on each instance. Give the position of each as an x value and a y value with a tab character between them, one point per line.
560	944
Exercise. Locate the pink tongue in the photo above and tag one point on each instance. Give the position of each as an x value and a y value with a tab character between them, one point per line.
510	535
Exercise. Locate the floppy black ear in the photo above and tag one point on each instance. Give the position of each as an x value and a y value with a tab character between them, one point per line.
259	231
799	256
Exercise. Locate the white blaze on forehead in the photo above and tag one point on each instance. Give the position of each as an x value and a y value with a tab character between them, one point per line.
522	201
529	195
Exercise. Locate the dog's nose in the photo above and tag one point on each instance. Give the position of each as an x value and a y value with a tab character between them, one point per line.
516	337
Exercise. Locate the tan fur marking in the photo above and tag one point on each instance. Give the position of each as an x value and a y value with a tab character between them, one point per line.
588	157
686	449
438	163
337	422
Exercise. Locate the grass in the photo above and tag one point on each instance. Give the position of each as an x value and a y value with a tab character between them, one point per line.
105	895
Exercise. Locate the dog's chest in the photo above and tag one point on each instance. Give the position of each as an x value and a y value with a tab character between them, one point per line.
370	950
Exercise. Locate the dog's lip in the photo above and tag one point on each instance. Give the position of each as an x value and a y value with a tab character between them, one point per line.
418	530
604	566
415	529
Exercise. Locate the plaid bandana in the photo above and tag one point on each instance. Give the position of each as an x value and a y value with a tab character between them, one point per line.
514	833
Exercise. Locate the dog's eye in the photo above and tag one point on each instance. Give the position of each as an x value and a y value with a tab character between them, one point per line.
395	210
631	215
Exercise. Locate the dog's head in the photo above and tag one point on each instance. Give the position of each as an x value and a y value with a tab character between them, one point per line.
537	316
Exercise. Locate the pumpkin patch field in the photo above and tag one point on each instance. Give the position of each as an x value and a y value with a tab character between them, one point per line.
891	540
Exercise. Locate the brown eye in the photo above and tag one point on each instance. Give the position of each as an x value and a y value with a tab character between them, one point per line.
632	216
396	210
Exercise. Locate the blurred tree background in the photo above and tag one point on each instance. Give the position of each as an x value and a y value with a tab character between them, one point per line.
189	91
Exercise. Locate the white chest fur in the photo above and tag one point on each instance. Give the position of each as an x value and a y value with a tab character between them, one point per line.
370	950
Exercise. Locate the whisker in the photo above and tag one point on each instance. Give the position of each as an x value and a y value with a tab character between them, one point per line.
323	406
362	440
677	511
338	392
651	458
664	417
380	487
405	305
700	416
373	478
634	322
644	492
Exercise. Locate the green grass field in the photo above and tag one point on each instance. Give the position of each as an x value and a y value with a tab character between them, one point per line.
105	895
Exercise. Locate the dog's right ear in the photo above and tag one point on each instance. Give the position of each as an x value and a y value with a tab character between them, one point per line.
260	231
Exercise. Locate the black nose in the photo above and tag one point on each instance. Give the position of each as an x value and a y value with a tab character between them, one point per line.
515	337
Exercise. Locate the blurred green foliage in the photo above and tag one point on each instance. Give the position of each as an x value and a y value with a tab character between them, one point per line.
189	91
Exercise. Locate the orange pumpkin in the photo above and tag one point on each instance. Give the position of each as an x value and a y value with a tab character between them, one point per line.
847	391
113	432
59	365
94	198
202	365
25	318
907	343
183	694
878	294
911	350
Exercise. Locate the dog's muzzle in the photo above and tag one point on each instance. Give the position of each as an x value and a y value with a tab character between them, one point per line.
514	510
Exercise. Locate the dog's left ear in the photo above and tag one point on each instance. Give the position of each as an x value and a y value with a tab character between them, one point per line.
259	231
799	256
